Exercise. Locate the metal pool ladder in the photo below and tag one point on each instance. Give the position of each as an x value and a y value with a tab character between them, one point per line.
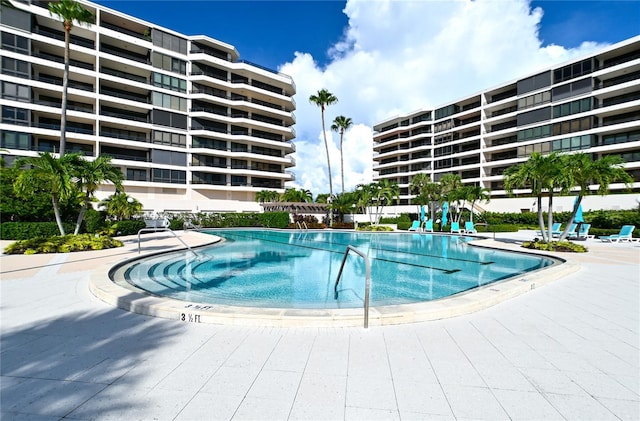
367	284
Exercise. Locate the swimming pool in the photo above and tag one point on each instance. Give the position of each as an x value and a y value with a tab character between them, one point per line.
298	269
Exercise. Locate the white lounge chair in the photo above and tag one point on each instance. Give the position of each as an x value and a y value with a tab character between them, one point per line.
582	234
428	225
415	226
625	234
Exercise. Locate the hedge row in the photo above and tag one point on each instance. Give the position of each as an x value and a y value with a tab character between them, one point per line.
27	230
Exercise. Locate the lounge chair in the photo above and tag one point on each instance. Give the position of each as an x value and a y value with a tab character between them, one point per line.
455	227
582	234
428	225
469	228
572	231
625	234
415	226
554	228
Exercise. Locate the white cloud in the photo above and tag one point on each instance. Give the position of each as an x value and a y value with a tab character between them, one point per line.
400	56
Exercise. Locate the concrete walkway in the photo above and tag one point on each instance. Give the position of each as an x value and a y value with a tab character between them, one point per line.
567	350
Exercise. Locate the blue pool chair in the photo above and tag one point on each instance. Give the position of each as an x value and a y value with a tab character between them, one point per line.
554	228
582	234
428	225
455	227
625	234
415	226
469	228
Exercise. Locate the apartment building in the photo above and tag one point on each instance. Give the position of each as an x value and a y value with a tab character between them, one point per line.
591	105
191	126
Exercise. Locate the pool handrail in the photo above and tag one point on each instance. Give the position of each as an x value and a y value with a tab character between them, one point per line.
162	225
367	284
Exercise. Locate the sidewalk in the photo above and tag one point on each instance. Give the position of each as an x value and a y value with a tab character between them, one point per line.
567	350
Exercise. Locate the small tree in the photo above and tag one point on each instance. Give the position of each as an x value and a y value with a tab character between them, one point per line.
121	206
55	173
90	174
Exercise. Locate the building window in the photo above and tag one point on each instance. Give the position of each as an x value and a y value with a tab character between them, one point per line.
16	92
16	140
572	143
136	174
160	175
170	139
17	116
533	100
534	133
572	89
526	150
169	101
15	43
159	156
625	137
573	107
534	83
238	180
572	126
13	67
169	42
169	82
168	63
573	70
202	142
166	118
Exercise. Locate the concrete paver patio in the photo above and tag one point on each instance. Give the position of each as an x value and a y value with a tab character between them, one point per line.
568	350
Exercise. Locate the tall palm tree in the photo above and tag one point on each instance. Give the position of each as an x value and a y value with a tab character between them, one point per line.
341	124
323	99
90	174
69	11
56	173
584	172
539	173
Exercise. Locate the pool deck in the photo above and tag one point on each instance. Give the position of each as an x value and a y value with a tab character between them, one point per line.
569	349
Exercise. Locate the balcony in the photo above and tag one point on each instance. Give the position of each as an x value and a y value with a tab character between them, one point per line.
59	59
122	53
118	93
54	80
59	35
123	75
125	31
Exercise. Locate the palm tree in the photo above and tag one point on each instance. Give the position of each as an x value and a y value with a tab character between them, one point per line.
297	195
450	188
475	194
584	171
267	196
90	175
121	205
344	204
539	173
55	173
341	124
383	194
69	11
322	99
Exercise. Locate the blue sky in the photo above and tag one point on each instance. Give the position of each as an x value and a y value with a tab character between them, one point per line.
383	58
269	32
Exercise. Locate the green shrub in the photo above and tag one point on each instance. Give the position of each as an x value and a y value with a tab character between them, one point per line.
176	224
343	225
62	244
404	224
497	228
560	246
274	219
128	227
26	230
94	221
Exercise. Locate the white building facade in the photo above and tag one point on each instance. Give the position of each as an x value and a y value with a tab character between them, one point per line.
192	127
591	105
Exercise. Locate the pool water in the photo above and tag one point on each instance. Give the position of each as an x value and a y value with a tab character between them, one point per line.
298	269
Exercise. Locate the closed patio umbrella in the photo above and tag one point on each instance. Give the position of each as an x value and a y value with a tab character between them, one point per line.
578	219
